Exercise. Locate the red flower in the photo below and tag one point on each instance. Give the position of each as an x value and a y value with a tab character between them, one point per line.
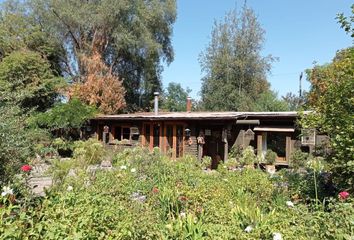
26	168
343	195
155	190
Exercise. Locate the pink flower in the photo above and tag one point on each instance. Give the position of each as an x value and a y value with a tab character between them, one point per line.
26	168
343	195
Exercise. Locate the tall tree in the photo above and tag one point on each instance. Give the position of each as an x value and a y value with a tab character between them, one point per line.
131	38
332	99
235	71
21	30
268	101
101	88
27	80
175	97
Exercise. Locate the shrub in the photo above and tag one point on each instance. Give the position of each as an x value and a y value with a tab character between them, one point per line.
89	152
236	151
148	196
270	157
15	142
248	157
298	159
206	162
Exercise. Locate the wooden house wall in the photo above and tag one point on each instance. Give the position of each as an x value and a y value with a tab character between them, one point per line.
235	137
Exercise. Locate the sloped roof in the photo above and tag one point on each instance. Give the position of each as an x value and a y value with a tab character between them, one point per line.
194	115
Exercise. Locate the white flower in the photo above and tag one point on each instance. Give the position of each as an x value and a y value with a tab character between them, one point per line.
289	204
70	188
182	214
133	170
123	167
248	229
6	190
277	236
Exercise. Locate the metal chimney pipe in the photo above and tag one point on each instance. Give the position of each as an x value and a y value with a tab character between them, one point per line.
156	103
189	104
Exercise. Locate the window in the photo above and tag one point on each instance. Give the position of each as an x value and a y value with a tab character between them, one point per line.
122	133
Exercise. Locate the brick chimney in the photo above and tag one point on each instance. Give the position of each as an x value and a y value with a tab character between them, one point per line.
189	104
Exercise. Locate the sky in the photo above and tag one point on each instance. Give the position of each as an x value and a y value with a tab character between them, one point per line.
298	33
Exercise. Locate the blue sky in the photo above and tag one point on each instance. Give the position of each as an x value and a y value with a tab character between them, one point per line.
298	32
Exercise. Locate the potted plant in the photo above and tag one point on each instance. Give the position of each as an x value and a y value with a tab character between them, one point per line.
248	157
270	158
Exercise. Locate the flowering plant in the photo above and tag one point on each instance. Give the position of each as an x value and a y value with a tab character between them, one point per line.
343	195
6	191
26	168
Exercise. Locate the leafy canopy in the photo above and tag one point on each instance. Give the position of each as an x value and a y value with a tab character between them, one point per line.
235	71
175	98
66	115
347	23
131	37
332	99
268	101
26	78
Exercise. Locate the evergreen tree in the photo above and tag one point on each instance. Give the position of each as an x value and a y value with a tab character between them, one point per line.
235	71
268	101
175	98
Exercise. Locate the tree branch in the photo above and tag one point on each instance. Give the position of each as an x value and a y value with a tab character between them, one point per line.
77	43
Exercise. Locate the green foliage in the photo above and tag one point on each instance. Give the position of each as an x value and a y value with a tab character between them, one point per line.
148	196
175	98
298	159
206	162
132	37
236	151
331	98
89	152
15	143
235	71
248	157
21	30
347	23
268	101
66	116
178	201
26	79
270	157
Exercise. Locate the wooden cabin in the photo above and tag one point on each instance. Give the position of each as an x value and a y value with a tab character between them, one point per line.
176	133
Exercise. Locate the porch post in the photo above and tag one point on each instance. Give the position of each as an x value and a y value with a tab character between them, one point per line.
259	145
